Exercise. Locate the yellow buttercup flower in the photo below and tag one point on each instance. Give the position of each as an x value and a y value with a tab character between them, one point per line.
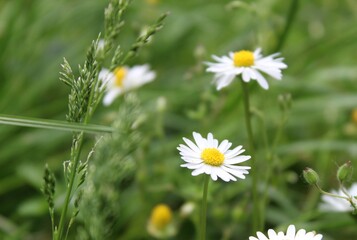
161	216
161	223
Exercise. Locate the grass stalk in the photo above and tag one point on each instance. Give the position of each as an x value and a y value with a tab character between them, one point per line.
53	124
247	115
203	219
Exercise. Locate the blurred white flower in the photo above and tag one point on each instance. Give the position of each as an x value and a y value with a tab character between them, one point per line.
209	157
333	204
123	79
291	234
248	64
187	209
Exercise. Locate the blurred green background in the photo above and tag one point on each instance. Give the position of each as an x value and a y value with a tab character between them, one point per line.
320	51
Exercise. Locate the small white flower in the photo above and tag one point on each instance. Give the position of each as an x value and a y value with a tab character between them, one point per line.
101	45
333	204
248	64
123	79
209	157
291	234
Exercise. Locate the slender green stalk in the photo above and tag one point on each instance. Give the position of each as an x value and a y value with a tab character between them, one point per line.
203	219
330	194
289	20
53	124
75	160
256	206
272	162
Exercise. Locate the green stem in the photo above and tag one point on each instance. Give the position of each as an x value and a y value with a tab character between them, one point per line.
75	160
256	207
53	124
204	208
289	20
272	161
330	194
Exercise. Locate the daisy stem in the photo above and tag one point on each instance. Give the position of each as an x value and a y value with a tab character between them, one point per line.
204	208
256	207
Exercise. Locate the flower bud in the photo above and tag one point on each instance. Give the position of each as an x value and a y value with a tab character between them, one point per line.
310	176
344	171
284	101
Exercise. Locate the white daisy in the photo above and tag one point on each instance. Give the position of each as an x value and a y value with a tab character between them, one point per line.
333	204
123	79
248	64
207	156
291	234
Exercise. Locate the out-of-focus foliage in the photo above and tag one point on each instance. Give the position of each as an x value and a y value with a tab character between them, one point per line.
321	78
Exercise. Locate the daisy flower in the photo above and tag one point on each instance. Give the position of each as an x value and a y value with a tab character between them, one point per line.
248	64
123	79
291	234
209	157
333	204
161	224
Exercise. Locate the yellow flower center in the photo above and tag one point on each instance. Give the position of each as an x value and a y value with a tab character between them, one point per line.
212	156
161	216
243	58
120	73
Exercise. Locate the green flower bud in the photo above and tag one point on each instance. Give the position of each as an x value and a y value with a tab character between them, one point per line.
310	176
344	171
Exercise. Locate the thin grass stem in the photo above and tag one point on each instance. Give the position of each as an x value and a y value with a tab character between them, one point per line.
289	21
247	114
53	124
203	219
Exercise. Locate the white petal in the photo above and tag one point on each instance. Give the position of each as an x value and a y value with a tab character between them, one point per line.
261	236
106	76
192	165
232	153
192	145
214	176
224	80
201	143
236	173
245	75
261	80
318	237
290	233
198	171
222	174
191	159
237	159
138	76
272	234
224	146
210	140
111	95
300	234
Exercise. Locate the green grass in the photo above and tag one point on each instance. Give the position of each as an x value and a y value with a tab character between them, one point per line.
319	49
